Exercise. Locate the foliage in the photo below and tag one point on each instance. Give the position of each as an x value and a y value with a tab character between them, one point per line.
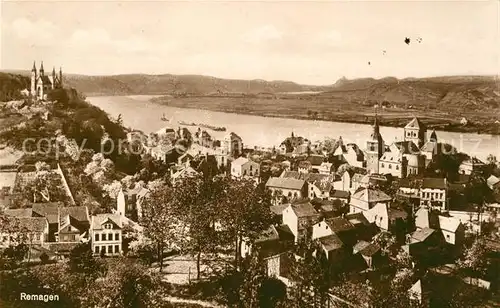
161	222
81	260
46	186
245	213
12	256
474	261
11	85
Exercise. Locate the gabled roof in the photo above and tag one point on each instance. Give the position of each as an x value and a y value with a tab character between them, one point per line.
339	194
291	174
26	224
407	147
357	219
415	123
99	219
48	210
26	212
79	213
365	248
239	161
391	157
278	208
331	242
316	160
473	161
339	224
448	223
304	209
371	195
268	235
421	235
492	181
286	183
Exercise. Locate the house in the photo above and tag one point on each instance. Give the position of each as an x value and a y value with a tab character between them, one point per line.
279	266
366	198
354	156
49	210
493	182
30	230
232	145
330	226
183	172
350	180
316	161
287	187
74	223
333	247
106	234
300	217
386	218
402	159
393	163
304	166
452	230
471	165
274	240
244	167
325	168
434	191
370	252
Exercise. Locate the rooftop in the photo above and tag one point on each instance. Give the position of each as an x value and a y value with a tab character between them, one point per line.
304	209
339	224
99	219
421	235
331	242
415	123
370	195
286	183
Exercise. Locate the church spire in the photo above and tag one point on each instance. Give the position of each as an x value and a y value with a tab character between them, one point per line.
34	67
376	129
41	68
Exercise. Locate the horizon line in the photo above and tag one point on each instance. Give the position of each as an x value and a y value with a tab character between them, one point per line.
5	70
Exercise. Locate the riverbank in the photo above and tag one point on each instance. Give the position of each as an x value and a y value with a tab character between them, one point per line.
481	122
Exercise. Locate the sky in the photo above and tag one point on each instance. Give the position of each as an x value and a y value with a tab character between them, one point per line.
310	42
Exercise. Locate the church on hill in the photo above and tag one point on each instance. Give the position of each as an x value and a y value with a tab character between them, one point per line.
41	84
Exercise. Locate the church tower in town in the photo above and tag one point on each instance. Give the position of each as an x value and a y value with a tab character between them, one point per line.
416	132
41	84
374	148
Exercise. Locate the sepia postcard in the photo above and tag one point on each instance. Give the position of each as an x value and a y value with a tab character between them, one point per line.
249	154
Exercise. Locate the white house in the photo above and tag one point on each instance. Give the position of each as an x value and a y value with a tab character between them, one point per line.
288	187
299	217
106	234
244	167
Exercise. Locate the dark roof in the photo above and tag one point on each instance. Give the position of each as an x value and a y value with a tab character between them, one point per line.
371	195
79	213
269	234
316	160
395	214
366	249
62	247
407	147
26	212
331	242
339	224
26	224
278	208
284	232
435	183
48	210
340	194
421	235
304	209
291	174
357	218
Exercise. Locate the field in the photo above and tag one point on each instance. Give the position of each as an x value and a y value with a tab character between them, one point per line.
340	110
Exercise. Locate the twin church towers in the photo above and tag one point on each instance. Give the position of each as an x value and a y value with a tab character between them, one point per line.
41	84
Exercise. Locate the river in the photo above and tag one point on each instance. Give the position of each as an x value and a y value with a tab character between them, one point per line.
139	113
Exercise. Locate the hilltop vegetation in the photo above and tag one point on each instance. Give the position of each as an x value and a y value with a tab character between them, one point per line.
11	85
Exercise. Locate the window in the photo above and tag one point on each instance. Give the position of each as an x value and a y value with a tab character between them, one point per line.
110	237
397	167
110	249
97	237
117	248
96	249
390	166
447	236
117	236
251	167
383	165
108	226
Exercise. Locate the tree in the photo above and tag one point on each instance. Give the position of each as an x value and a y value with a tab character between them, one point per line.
197	199
161	221
474	261
244	213
46	186
81	260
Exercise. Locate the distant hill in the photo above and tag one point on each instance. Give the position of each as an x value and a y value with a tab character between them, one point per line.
11	85
434	92
134	84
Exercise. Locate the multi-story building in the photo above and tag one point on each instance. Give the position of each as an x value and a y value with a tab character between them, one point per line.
106	234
